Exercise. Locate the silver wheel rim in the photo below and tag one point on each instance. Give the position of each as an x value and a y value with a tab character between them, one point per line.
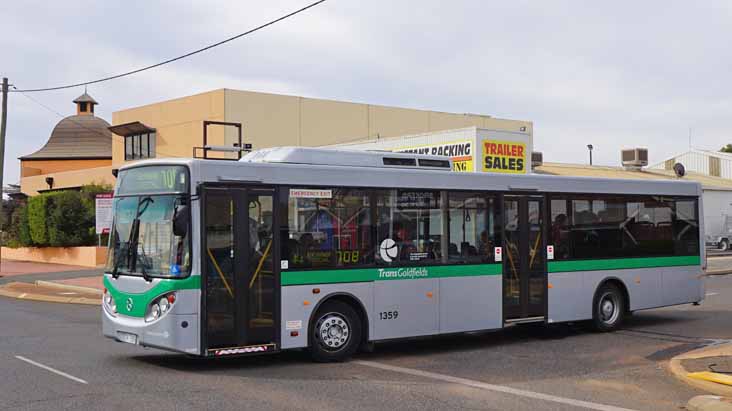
609	308
332	331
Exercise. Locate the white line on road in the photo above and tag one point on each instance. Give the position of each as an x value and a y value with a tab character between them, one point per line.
491	387
47	368
711	294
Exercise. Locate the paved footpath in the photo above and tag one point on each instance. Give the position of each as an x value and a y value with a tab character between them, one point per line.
50	282
24	271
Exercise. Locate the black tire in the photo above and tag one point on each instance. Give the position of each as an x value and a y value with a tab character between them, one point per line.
335	332
724	245
609	308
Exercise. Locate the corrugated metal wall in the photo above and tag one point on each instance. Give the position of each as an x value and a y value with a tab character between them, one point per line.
706	163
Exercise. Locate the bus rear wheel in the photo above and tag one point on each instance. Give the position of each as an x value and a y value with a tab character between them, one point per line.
609	308
335	332
724	245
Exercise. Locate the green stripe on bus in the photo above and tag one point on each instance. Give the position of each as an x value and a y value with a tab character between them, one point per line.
386	273
622	263
141	301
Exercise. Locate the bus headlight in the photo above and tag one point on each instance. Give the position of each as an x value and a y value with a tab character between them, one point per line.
109	302
159	307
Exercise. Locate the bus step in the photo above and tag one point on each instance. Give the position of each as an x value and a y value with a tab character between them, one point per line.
261	322
527	320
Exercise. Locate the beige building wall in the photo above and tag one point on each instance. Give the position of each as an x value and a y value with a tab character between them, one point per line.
32	185
178	124
36	167
271	120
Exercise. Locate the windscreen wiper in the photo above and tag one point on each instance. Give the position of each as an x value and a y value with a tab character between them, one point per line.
143	263
117	261
142	206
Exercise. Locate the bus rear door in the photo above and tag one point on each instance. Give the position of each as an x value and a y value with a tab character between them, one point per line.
525	269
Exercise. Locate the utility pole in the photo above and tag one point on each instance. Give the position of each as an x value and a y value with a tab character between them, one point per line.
3	127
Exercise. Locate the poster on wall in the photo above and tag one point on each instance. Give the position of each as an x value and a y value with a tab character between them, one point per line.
460	152
103	206
504	157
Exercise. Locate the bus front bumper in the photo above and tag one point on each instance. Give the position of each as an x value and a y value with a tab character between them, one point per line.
173	332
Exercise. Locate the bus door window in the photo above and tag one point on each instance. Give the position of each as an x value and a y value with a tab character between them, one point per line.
512	234
261	276
536	253
220	309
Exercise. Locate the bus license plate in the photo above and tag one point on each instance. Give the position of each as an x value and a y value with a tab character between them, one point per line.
126	337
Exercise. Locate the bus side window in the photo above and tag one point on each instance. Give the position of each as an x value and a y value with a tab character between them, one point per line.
328	228
474	227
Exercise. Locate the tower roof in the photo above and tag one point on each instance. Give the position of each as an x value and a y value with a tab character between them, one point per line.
76	137
85	98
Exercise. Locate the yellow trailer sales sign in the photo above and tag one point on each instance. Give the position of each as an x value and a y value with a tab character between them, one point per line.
504	157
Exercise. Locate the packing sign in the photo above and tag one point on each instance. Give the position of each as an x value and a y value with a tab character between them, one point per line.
504	157
460	152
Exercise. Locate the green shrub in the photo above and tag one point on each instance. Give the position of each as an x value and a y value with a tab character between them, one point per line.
68	220
18	232
58	219
37	216
24	236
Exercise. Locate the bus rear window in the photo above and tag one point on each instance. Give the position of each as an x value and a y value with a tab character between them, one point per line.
153	179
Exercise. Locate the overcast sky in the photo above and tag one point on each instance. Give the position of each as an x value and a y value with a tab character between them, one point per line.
614	74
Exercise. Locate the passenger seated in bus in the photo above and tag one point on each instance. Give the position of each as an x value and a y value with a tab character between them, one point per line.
305	247
452	250
485	245
560	236
429	249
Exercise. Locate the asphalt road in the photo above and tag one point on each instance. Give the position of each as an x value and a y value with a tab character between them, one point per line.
520	368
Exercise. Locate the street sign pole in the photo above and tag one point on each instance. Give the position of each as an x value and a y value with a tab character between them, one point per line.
4	119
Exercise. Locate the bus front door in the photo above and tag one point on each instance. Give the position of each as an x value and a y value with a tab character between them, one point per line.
239	311
525	275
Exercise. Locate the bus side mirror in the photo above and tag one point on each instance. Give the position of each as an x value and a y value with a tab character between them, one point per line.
181	219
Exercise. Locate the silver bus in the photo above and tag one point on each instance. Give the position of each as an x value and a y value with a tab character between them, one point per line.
329	250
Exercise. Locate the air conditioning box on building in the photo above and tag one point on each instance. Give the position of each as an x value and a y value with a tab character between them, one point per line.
634	157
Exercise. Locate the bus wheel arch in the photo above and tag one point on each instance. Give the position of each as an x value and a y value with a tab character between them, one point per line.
610	304
343	306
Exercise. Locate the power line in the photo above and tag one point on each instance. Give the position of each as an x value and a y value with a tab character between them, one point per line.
175	58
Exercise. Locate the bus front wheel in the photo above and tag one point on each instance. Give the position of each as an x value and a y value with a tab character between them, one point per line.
335	332
609	308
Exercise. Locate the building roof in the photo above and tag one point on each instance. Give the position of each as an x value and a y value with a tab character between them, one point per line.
76	137
85	98
581	170
128	129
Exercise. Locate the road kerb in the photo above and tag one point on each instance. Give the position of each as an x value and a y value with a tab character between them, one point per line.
677	369
22	295
709	403
718	272
69	287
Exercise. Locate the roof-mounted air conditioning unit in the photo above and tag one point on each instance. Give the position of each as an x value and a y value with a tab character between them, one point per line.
634	158
537	159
